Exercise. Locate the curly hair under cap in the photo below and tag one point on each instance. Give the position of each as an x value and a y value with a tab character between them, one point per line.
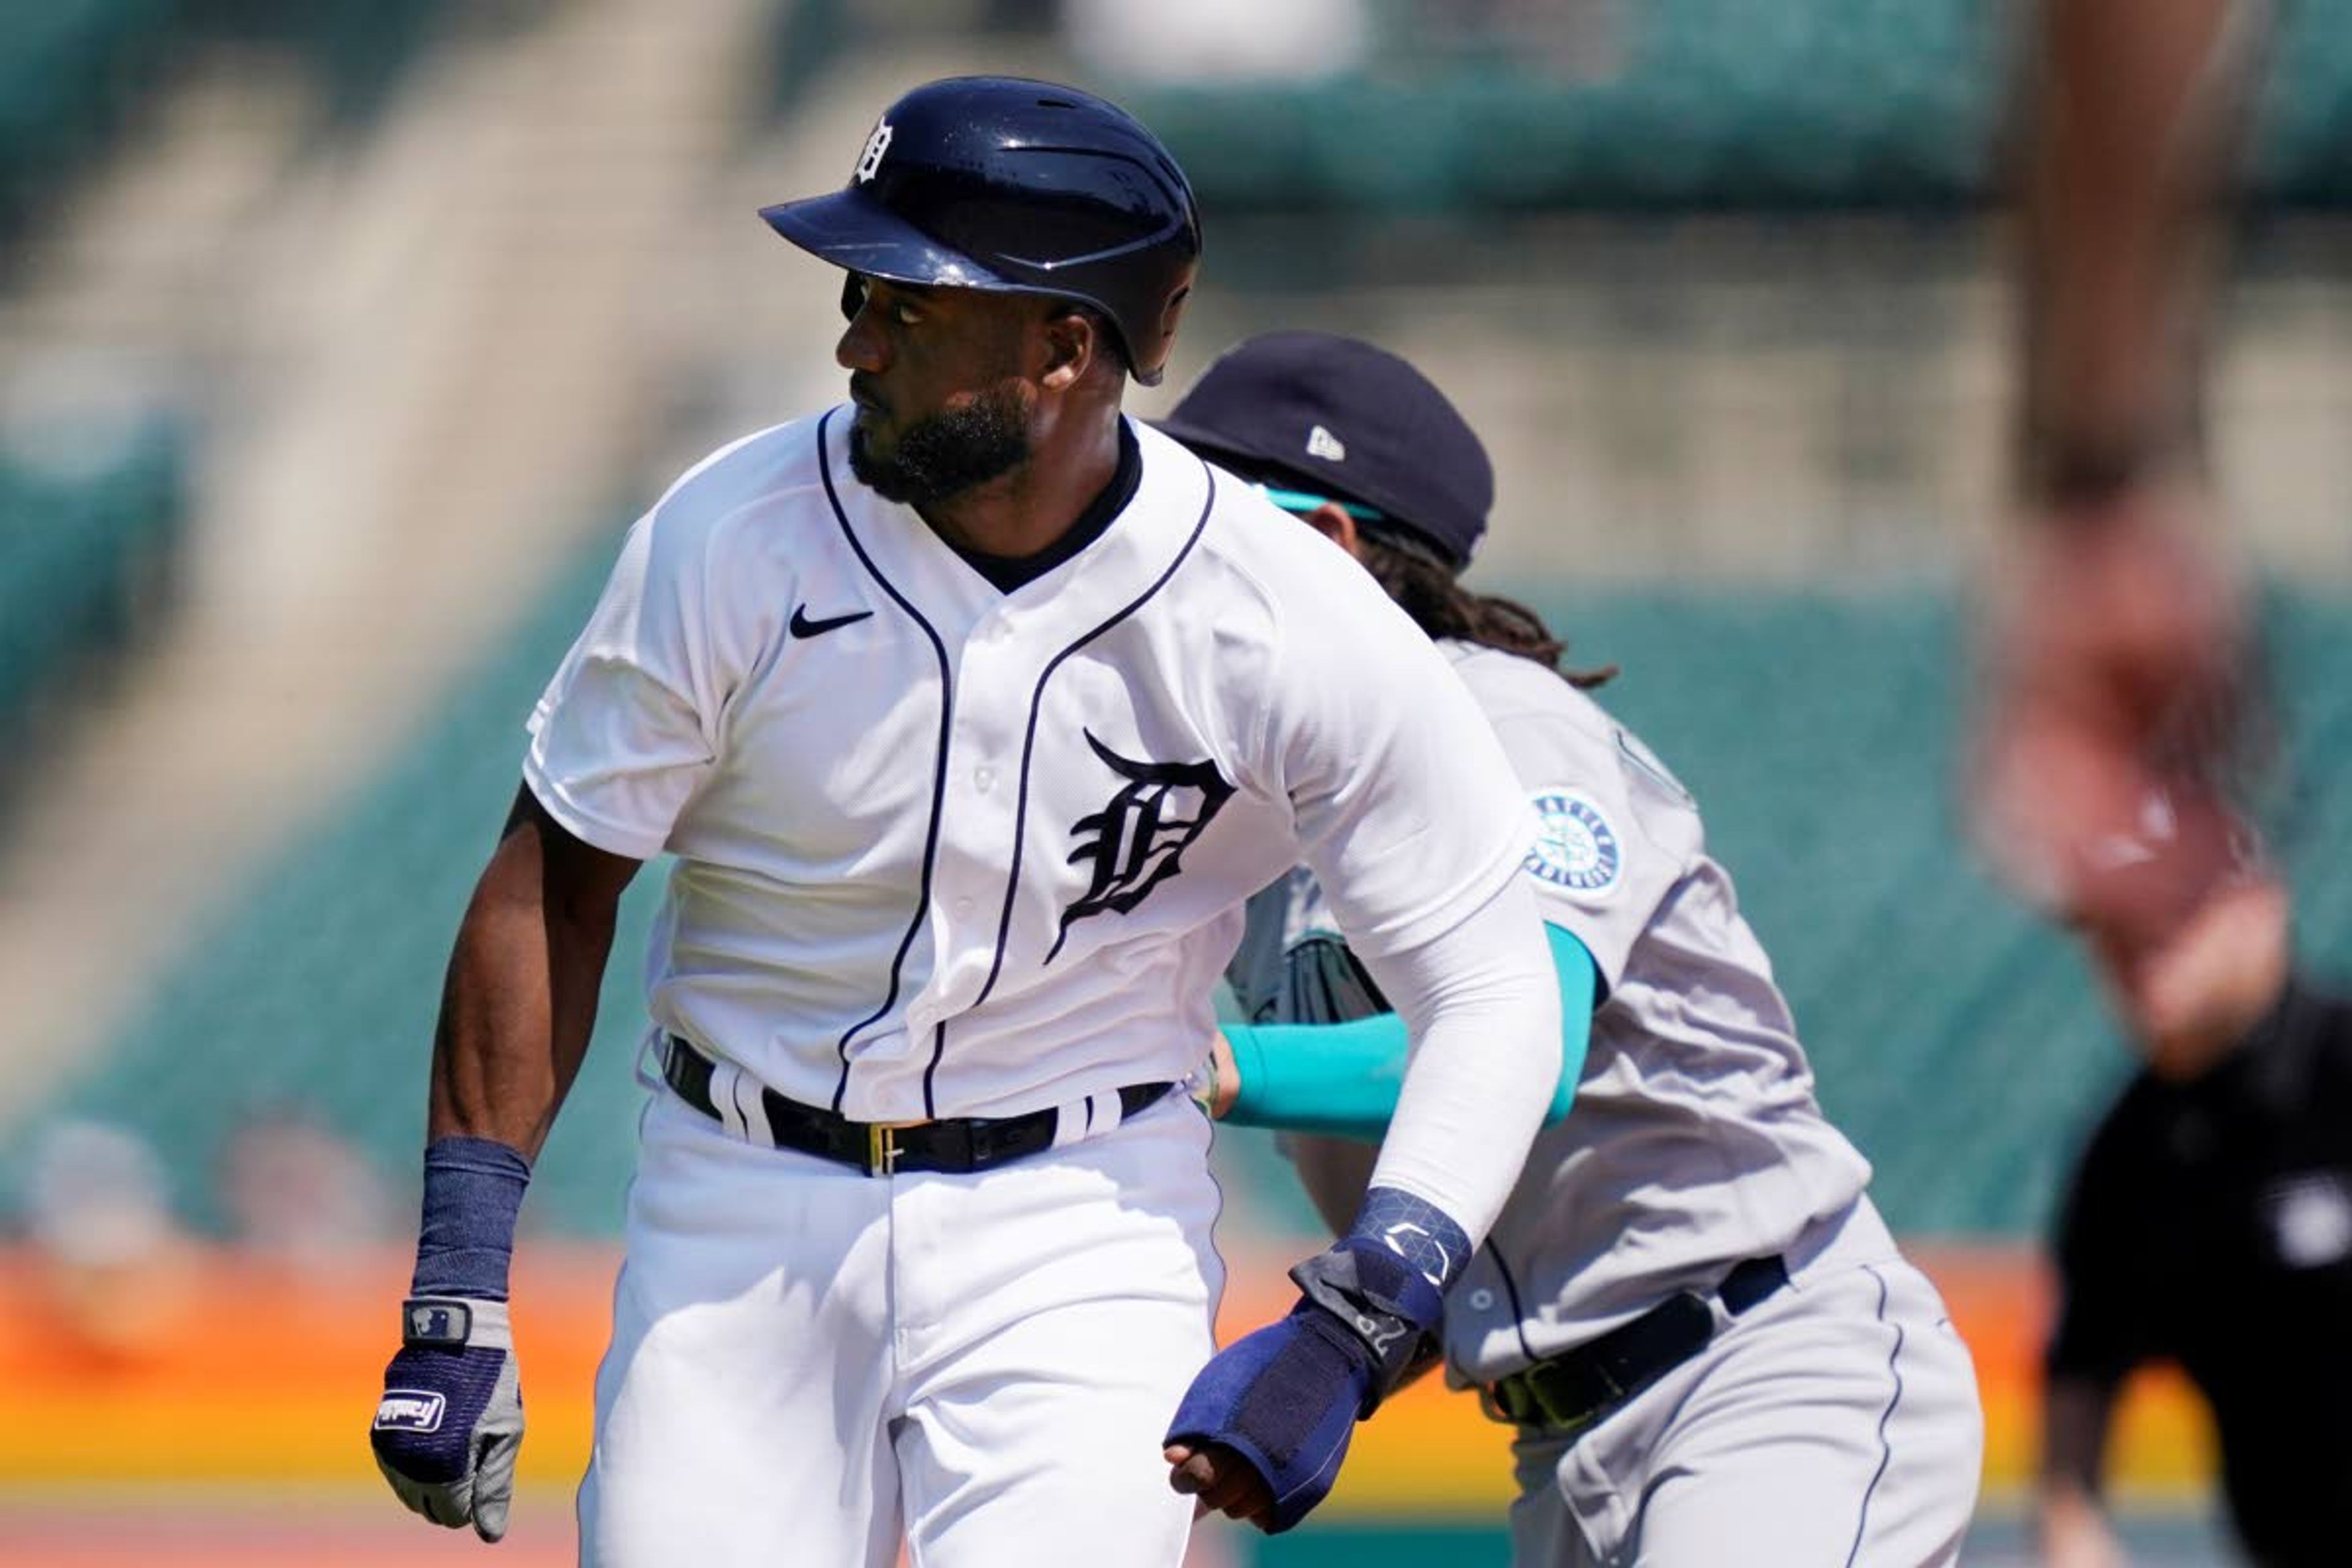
1426	589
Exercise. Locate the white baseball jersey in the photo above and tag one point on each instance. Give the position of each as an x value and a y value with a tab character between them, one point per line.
946	850
1696	1140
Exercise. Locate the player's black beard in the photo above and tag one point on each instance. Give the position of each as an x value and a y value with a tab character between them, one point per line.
947	453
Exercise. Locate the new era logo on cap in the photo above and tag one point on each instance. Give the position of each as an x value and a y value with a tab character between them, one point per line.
1272	409
409	1410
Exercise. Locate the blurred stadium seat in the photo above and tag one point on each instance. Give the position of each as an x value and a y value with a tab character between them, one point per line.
82	554
314	989
1669	104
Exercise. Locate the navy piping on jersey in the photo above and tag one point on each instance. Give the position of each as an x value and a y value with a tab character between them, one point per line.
1511	1288
1886	1450
938	779
1037	700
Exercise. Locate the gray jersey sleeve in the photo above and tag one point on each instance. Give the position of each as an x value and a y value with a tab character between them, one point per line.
1617	830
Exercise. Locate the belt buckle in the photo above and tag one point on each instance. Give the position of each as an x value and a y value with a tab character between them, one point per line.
1523	1400
882	1146
1573	1423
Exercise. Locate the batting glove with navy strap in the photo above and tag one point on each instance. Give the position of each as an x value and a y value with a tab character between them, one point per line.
1287	1398
449	1425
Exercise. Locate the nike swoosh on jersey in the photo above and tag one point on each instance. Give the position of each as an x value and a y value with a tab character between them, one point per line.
802	626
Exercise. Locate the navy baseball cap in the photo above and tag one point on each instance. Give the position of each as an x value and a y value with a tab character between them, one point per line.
1339	417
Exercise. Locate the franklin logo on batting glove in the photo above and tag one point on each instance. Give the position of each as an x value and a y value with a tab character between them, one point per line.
409	1410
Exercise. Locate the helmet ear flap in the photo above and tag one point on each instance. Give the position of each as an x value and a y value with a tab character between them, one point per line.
1169	314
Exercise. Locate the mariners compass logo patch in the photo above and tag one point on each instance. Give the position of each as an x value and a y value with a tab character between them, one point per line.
1137	841
1577	848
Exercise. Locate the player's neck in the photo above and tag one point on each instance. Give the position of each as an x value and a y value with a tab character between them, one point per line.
1026	510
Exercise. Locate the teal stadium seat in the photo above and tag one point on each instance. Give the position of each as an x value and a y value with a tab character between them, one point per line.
74	552
1711	104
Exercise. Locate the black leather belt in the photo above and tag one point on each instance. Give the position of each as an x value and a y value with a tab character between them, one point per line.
961	1144
1572	1390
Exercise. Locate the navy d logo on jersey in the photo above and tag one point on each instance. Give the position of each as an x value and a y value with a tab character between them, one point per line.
1576	848
1136	843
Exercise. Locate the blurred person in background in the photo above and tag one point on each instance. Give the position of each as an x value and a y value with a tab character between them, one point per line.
2209	1224
1708	1346
114	1264
299	1193
2112	709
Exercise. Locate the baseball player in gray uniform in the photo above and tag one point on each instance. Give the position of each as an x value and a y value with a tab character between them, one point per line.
970	713
1709	1346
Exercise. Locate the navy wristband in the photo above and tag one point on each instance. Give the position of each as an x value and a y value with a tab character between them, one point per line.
1418	1231
473	1191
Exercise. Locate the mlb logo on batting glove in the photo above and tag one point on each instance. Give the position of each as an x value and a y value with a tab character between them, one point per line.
449	1425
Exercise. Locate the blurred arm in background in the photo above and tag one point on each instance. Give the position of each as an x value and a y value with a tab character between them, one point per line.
2076	1414
2109	694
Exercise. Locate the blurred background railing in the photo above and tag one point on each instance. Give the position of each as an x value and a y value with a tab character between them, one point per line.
339	340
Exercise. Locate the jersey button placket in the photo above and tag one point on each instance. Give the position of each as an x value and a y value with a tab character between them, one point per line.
990	705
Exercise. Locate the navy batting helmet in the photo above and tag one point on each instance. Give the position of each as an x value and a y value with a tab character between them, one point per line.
1016	186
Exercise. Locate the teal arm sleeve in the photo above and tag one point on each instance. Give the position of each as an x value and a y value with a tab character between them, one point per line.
1344	1078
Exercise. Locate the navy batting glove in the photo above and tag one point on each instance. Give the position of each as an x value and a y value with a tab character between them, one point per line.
450	1423
1287	1398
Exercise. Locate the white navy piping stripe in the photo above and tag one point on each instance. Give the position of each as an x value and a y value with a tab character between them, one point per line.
938	779
1511	1290
1036	699
1886	1449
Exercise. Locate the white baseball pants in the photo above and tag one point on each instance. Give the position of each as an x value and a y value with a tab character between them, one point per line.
807	1361
1835	1425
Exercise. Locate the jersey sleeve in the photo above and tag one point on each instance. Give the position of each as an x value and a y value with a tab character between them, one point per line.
2100	1330
1403	801
1614	831
627	728
1406	810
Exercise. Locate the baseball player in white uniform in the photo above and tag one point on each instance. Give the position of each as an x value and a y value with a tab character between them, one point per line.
1710	1348
971	712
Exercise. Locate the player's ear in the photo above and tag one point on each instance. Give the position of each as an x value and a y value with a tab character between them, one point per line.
1331	520
1072	343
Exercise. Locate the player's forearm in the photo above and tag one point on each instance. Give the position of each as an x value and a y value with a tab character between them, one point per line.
2076	1411
1482	1003
1345	1078
519	1003
2132	114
